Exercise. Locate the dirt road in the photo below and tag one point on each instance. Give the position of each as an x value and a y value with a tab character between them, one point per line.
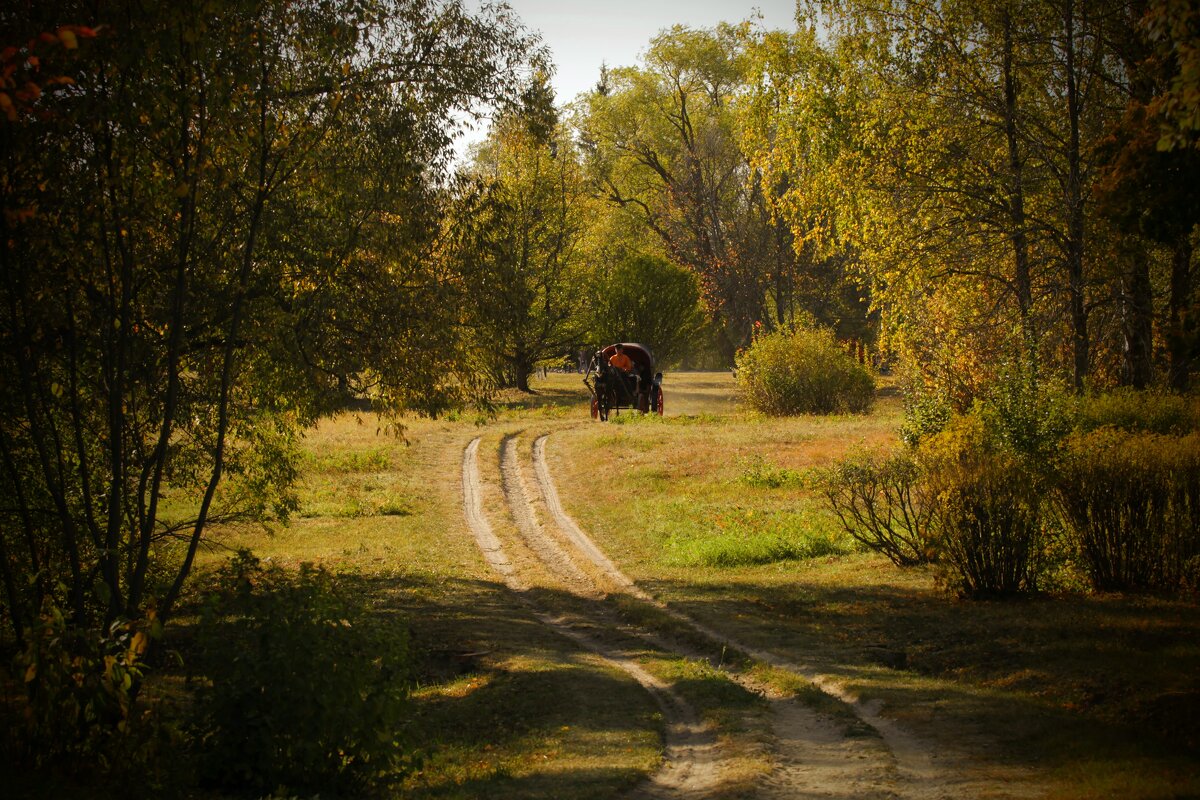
855	751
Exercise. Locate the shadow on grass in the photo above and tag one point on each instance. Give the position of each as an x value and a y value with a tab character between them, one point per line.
1059	683
508	708
1055	678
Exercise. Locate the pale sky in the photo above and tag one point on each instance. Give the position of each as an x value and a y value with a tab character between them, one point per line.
583	34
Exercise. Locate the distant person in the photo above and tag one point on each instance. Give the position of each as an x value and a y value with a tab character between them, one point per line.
621	361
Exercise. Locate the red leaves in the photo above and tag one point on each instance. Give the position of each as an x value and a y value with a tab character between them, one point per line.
21	80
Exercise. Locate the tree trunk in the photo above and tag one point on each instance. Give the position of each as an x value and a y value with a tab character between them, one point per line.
522	369
1181	323
1075	210
1137	321
1016	201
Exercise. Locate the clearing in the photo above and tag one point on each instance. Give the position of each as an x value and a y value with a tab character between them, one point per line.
662	607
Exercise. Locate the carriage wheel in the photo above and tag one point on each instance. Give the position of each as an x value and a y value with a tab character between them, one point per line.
595	408
658	401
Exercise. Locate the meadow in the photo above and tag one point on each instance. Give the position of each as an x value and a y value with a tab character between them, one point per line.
715	511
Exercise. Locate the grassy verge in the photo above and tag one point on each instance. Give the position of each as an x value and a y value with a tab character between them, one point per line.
501	706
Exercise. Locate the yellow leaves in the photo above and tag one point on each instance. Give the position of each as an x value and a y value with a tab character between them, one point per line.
67	37
182	189
31	672
6	105
138	645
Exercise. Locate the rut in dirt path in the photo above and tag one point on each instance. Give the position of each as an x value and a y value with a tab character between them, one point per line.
811	758
691	768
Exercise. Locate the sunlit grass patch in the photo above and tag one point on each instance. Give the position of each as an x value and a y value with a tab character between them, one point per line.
353	495
746	537
340	461
760	473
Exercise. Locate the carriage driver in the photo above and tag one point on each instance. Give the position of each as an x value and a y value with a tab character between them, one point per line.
621	361
625	364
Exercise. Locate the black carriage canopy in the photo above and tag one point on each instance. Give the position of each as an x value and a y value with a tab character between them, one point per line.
639	354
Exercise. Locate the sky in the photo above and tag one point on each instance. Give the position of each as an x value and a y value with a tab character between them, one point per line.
583	34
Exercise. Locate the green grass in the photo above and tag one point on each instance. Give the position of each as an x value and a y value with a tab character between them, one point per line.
1068	684
713	510
501	705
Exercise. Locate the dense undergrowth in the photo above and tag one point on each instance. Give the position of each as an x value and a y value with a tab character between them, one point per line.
1032	490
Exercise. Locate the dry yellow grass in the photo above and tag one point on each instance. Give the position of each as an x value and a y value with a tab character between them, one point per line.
1097	695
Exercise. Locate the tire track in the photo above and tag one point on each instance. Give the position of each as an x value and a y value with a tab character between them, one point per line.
807	753
691	762
813	757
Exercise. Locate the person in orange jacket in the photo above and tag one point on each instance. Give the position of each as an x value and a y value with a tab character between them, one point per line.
621	361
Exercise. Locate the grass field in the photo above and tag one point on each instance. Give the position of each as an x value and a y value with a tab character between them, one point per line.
713	510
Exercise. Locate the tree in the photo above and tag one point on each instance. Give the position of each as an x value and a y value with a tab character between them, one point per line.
213	221
948	149
1147	187
647	299
517	231
662	142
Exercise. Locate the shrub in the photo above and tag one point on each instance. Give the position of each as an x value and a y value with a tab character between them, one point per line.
302	691
925	414
802	372
1132	410
988	510
882	503
80	719
1132	504
989	525
1026	416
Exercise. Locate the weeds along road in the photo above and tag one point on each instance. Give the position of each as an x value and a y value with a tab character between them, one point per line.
845	749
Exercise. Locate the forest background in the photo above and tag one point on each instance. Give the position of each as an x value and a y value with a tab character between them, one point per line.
224	219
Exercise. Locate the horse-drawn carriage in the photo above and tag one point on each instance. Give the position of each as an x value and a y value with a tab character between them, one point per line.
612	388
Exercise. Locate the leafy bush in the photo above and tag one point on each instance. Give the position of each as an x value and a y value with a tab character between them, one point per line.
302	691
802	372
989	525
988	510
956	500
925	414
1132	504
1026	416
80	718
882	502
1132	410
